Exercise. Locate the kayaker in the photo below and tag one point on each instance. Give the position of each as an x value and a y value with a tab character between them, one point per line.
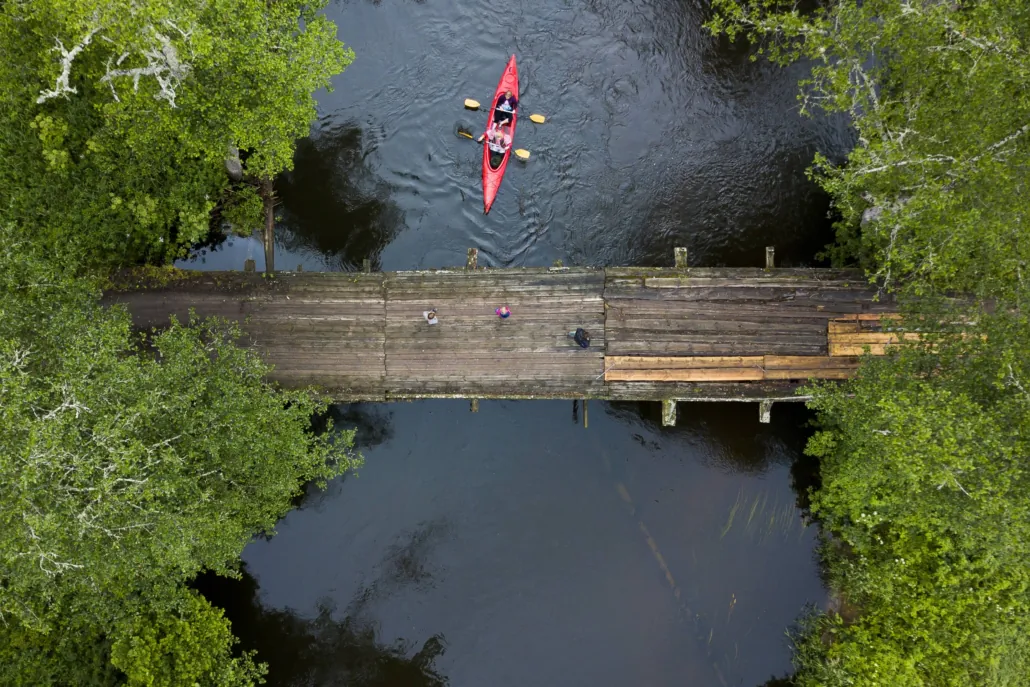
505	106
498	140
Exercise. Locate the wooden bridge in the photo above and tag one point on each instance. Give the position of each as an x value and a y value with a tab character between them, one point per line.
660	334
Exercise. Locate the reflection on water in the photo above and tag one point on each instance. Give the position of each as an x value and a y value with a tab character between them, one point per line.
727	435
405	563
550	554
371	423
321	651
332	204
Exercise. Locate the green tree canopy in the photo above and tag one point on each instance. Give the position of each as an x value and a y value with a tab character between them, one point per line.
926	492
924	498
118	117
934	195
128	464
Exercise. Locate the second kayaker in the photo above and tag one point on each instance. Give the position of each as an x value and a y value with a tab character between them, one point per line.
506	105
498	140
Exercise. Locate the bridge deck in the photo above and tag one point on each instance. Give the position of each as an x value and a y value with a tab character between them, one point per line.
656	333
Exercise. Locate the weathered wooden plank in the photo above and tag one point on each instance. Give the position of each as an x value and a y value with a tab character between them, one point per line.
712	328
857	349
736	273
519	306
373	368
773	362
710	348
674	336
310	349
789	308
810	373
622	362
708	391
415	290
841	327
865	317
753	312
483	369
707	282
508	358
711	374
366	367
494	278
487	340
872	337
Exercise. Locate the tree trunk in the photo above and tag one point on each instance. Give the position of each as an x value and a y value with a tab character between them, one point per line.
268	196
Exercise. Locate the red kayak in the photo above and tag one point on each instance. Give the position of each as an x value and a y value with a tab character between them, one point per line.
492	175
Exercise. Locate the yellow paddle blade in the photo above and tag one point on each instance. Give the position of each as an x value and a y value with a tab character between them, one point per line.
538	118
471	104
522	153
466	134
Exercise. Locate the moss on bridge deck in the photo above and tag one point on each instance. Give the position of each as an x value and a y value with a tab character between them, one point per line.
656	333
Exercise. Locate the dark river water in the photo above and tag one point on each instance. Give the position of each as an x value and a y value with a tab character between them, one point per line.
513	546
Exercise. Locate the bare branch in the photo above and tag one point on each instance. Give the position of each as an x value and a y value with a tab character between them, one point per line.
62	87
163	64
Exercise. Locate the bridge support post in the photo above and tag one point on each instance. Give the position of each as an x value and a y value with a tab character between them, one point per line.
770	257
669	413
584	413
765	412
681	256
472	262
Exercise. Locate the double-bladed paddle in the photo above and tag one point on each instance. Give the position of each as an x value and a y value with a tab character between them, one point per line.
474	105
520	153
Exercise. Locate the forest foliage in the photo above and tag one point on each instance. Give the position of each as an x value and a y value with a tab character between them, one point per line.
130	462
117	118
924	495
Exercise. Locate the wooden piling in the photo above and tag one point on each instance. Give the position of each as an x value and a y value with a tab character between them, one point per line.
765	411
366	266
668	413
770	257
680	255
474	405
584	413
249	265
472	262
